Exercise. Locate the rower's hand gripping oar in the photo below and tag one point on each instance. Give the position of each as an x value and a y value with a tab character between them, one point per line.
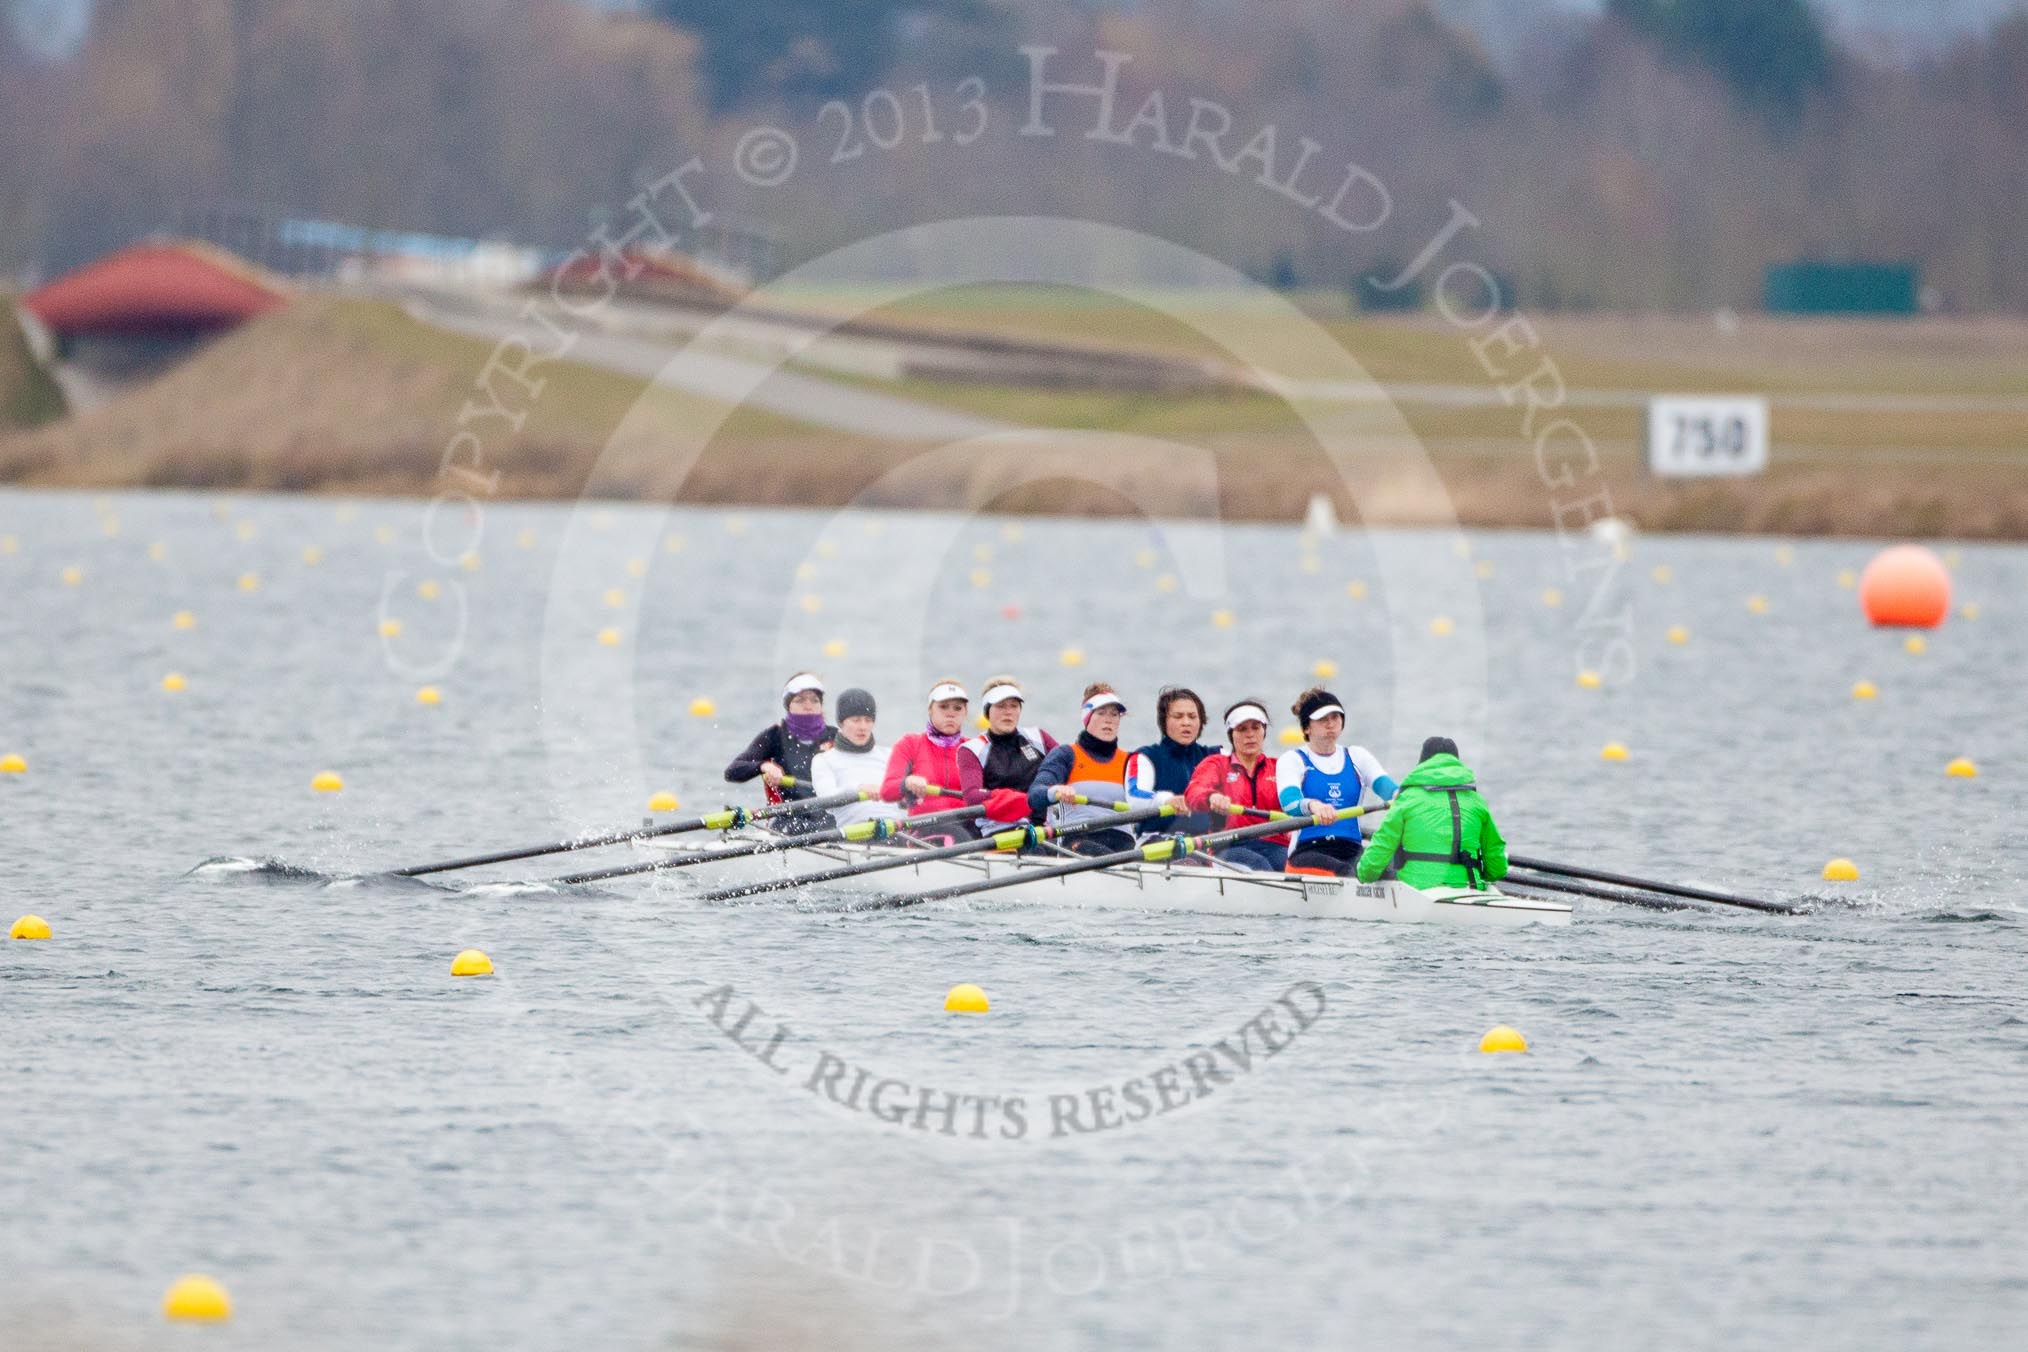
1667	889
858	833
1008	841
731	819
1158	851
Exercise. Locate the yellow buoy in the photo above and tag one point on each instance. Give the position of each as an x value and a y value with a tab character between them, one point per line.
1324	669
346	513
1613	751
1970	610
244	531
327	781
72	576
1865	690
983	722
1916	644
1356	589
609	638
1011	532
1551	597
1312	564
29	927
811	603
735	525
1590	680
183	619
1953	557
806	570
469	562
1962	768
637	567
965	998
672	544
835	648
982	552
1757	604
249	582
1841	871
10	544
383	535
614	598
390	628
1678	634
1847	578
1441	625
981	578
1071	657
197	1299
428	590
1221	619
1291	735
11	764
524	539
664	801
471	962
702	707
1663	574
1166	582
1501	1038
1482	570
312	555
158	551
1144	558
1785	555
174	681
429	694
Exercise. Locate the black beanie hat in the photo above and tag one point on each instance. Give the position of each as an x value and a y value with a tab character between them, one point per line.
854	703
1439	746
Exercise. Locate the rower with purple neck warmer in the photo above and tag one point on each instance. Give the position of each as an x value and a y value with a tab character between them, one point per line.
1320	778
786	750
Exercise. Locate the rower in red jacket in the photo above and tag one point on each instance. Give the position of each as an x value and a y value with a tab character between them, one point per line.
1243	777
934	759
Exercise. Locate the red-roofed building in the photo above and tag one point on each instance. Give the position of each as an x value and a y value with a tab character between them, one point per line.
174	289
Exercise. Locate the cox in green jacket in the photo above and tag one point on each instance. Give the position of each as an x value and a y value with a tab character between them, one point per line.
1437	815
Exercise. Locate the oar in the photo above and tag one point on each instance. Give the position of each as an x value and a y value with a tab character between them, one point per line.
1154	852
882	828
1580	890
731	819
1017	838
1667	889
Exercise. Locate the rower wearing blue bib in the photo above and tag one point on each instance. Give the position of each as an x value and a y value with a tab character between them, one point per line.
1322	779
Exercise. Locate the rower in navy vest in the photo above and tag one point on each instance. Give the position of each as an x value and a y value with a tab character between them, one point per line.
1162	769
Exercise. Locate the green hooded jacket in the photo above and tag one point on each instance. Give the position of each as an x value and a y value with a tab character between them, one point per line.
1420	822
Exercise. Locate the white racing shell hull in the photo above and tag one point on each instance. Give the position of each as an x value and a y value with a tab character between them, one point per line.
1186	887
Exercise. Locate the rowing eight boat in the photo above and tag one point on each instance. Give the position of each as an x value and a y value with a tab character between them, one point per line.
1198	886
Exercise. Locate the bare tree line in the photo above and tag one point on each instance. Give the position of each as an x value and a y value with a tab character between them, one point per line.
1609	172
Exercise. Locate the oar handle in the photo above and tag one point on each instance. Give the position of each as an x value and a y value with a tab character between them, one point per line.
1014	838
880	828
1154	852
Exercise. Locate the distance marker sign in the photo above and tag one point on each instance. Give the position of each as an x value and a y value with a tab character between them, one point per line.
1696	436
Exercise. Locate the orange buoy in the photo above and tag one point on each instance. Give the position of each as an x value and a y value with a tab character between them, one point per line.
1906	586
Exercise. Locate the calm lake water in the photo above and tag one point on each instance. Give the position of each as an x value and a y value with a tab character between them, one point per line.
1731	1130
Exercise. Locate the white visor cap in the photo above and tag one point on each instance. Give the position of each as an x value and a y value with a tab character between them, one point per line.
801	681
995	693
1101	700
948	690
1246	713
